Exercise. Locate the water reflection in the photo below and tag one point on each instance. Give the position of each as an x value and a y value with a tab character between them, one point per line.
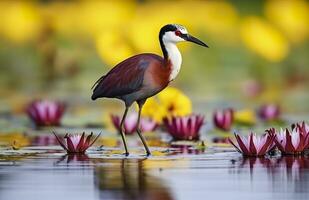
292	170
128	179
44	140
187	149
99	175
48	177
287	174
72	158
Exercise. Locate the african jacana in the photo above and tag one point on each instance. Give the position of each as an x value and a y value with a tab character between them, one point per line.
142	76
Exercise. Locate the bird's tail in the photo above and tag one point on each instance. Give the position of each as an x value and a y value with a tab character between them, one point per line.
94	97
95	86
98	81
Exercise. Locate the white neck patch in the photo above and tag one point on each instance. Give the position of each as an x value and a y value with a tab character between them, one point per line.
175	59
169	40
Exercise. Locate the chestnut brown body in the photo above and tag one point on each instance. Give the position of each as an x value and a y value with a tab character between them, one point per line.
134	79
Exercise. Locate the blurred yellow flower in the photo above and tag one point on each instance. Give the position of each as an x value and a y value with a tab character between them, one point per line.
264	39
98	16
108	141
218	18
144	37
245	116
64	17
150	17
169	102
220	21
113	47
272	93
291	16
88	18
16	140
20	21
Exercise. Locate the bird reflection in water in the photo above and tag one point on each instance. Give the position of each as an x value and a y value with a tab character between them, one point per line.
128	179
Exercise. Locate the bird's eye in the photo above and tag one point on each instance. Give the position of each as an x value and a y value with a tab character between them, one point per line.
178	33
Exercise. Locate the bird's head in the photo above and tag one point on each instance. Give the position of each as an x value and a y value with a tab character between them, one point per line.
173	33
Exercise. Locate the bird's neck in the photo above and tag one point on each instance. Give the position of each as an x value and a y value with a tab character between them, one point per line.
172	55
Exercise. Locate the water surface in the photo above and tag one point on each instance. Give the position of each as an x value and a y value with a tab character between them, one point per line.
213	174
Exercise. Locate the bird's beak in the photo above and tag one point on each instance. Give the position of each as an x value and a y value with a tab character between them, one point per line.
190	38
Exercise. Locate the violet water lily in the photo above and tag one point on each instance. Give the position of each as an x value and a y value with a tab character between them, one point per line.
184	128
223	119
291	142
45	112
76	143
269	112
253	145
130	123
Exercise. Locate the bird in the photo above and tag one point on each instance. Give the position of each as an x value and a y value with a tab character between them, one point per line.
142	76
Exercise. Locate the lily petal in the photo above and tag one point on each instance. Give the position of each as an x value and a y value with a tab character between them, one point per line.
60	142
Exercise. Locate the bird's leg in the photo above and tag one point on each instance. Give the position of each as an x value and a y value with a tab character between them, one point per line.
138	130
122	131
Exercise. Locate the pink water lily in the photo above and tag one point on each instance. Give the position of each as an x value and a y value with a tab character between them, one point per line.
223	119
304	129
253	145
130	124
45	112
291	142
269	112
76	143
184	128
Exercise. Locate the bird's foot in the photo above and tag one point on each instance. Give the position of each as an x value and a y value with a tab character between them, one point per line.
148	153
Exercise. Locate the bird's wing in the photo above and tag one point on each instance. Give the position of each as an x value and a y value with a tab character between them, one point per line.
125	78
98	81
